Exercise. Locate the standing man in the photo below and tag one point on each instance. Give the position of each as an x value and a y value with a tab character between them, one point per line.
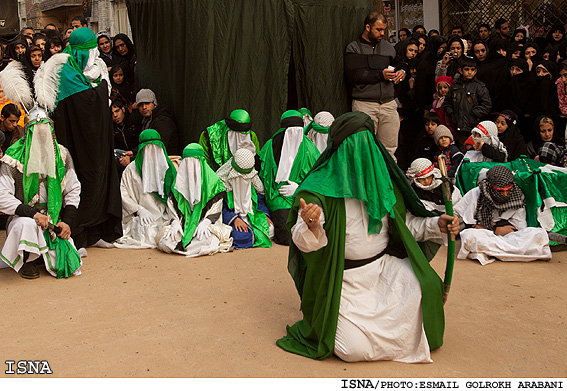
371	70
11	131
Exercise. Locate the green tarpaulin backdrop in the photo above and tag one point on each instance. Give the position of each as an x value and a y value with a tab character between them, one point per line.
204	58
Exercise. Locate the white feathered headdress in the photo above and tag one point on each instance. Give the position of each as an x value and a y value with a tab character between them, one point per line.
15	85
47	79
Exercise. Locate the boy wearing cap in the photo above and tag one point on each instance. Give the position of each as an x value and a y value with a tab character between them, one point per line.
158	118
445	146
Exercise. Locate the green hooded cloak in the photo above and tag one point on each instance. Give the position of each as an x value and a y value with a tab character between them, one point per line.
353	166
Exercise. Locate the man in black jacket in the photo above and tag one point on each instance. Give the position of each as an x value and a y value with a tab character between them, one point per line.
371	70
158	118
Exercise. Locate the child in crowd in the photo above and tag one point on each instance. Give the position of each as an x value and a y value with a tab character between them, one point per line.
442	85
121	88
468	101
487	147
426	181
425	146
510	135
453	155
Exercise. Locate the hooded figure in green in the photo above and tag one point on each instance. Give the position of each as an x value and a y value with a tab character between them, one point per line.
39	189
285	160
83	125
197	228
145	187
221	140
367	290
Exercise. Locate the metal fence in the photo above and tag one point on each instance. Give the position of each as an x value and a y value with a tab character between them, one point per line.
537	16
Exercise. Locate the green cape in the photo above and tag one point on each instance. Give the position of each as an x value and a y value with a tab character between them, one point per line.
72	78
214	139
318	275
211	185
151	136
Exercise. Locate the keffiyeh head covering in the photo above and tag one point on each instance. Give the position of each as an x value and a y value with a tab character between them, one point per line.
422	168
488	132
154	166
551	153
318	129
498	178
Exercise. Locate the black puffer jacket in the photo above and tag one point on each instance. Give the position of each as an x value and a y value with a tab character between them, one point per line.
467	103
162	120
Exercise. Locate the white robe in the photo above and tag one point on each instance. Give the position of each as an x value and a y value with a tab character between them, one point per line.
22	233
526	244
380	314
219	240
135	235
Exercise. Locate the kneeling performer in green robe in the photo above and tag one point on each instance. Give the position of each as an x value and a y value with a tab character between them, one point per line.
367	290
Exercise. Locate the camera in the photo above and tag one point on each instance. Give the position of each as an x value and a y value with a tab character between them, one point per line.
453	55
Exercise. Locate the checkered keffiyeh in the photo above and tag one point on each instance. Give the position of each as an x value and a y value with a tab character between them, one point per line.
491	200
423	168
551	152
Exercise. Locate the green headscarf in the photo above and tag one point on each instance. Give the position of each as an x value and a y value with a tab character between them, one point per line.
211	185
20	151
68	259
151	136
72	78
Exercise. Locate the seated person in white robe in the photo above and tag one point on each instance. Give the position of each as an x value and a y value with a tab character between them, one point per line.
318	130
197	196
39	189
494	214
145	187
426	180
487	146
359	299
244	208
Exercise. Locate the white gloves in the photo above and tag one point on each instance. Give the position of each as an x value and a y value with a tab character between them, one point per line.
288	190
146	218
172	230
202	231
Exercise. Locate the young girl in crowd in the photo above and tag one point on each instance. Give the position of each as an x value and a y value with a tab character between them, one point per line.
487	147
442	85
509	134
121	88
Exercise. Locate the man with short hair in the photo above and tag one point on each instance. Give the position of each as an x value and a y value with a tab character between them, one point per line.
50	26
371	69
78	22
68	32
11	131
27	31
484	32
502	28
158	118
457	30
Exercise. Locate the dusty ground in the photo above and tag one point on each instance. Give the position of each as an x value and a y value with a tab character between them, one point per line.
147	314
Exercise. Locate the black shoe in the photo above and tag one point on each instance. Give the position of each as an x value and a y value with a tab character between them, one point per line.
29	271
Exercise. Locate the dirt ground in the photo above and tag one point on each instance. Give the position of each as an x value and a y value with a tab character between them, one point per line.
143	313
